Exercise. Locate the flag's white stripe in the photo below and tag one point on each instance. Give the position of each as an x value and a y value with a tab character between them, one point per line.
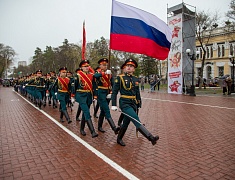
126	11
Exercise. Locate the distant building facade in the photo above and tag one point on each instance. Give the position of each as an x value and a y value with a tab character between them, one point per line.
22	63
218	49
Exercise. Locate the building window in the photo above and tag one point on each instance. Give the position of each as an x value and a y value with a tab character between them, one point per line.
208	72
198	71
207	53
223	50
219	51
221	71
211	52
231	49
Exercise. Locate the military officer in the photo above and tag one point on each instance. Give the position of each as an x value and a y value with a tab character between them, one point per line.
62	86
83	83
129	101
104	82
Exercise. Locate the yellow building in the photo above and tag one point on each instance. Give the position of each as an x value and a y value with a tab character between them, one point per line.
218	49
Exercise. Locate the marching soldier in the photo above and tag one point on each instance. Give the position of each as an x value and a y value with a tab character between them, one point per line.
40	88
48	96
70	76
129	101
79	107
104	82
51	90
97	106
63	87
83	83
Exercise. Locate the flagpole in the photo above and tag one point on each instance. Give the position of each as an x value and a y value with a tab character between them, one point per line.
109	59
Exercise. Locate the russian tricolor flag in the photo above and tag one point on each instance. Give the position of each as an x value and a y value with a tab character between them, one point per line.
134	30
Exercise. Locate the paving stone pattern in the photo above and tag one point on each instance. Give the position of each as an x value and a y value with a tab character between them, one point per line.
197	141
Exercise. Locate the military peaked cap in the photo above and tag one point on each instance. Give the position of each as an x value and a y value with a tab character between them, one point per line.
84	63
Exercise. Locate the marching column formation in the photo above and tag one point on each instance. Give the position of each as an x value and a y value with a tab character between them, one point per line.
88	87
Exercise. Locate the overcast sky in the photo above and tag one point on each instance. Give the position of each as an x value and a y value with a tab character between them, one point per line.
27	24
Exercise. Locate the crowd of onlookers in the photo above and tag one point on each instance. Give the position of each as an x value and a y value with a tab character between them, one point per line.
7	82
153	80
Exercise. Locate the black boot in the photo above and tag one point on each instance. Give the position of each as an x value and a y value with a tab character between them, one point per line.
67	116
49	101
78	113
44	103
96	110
61	116
120	136
91	127
148	135
40	104
112	125
54	103
82	127
121	117
100	123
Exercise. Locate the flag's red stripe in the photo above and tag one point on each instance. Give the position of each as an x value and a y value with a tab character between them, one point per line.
138	45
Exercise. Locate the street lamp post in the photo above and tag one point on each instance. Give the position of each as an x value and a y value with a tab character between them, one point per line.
193	58
231	58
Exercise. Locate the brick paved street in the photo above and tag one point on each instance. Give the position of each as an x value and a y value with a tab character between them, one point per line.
197	141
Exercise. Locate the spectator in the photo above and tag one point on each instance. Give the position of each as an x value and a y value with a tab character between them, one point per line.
204	83
229	84
158	83
224	85
142	82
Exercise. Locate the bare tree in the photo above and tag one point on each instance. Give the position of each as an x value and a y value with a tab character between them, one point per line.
205	24
7	55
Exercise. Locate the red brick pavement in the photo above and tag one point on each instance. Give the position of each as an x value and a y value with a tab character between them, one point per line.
196	141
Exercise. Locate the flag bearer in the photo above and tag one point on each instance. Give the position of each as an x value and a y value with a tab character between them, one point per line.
129	101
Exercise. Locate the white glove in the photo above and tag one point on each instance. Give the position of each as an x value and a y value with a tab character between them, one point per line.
108	71
56	94
23	87
72	100
108	96
114	108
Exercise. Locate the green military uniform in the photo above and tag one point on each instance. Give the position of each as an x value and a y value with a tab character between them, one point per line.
40	89
79	110
104	83
130	100
51	90
62	86
83	86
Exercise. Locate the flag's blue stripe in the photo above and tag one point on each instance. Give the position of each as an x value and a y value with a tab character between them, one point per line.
136	27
